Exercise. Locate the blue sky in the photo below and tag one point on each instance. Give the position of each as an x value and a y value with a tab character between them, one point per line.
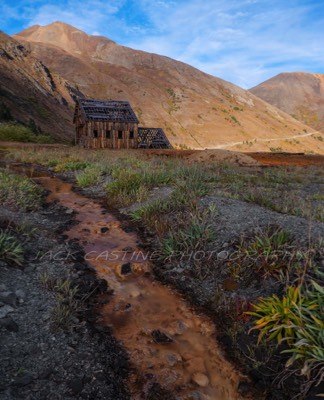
242	41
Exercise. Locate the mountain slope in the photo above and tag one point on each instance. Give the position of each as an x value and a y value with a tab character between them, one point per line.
300	94
194	109
32	92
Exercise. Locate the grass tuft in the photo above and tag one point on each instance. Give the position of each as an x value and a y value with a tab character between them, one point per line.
90	176
11	251
19	192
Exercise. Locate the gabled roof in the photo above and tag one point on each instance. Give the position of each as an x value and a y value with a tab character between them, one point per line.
107	110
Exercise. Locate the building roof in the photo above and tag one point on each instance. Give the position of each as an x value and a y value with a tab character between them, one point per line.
107	110
153	138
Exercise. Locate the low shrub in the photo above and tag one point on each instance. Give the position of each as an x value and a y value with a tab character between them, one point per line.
14	132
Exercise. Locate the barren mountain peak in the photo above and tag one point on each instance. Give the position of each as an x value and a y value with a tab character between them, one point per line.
300	94
64	36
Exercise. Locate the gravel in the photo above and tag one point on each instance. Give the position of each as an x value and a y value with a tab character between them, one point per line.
39	361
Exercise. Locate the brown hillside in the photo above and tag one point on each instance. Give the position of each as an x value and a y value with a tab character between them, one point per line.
31	91
195	109
299	94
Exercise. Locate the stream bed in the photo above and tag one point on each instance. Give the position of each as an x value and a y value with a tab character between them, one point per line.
167	341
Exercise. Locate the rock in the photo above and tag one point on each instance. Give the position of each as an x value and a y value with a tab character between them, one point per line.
127	249
3	288
100	376
69	211
9	298
181	327
173	358
102	286
104	229
134	292
196	396
222	255
20	294
177	327
76	385
24	379
126	269
5	310
200	379
178	270
9	324
46	373
160	337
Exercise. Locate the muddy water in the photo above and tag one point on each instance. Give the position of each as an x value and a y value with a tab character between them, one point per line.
142	312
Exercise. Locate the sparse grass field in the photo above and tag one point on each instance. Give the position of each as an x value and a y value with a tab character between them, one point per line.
264	278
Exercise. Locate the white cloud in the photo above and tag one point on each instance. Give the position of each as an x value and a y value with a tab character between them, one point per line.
87	16
243	41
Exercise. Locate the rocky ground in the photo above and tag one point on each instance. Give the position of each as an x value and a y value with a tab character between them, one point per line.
212	285
39	359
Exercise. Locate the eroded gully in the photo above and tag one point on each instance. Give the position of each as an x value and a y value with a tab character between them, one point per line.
167	341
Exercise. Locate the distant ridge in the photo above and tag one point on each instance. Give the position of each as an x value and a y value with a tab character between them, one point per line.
300	94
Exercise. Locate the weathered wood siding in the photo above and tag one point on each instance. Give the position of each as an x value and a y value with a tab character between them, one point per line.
107	134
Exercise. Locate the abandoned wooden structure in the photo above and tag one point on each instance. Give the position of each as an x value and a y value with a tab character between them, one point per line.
113	124
153	138
101	124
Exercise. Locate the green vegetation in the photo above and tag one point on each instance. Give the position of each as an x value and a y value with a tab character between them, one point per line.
173	101
267	253
194	232
10	249
90	176
14	132
69	303
295	319
70	164
276	149
19	192
269	262
131	186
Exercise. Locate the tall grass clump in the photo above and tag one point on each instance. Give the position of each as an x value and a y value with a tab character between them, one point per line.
194	232
90	176
71	164
19	192
296	321
265	253
132	186
11	251
14	132
69	303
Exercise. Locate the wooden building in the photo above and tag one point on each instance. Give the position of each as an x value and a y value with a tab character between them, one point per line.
113	124
105	124
153	138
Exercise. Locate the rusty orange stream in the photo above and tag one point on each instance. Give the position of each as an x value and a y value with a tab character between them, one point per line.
192	366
